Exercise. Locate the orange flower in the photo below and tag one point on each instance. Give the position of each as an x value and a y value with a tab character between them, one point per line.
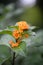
23	25
13	44
16	34
20	30
26	35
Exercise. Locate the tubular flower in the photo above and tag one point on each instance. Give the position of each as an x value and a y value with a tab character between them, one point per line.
16	34
13	44
23	25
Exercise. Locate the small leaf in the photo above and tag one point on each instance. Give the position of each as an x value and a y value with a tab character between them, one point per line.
32	27
12	27
5	32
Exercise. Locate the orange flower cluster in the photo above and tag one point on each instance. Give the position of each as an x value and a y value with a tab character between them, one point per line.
14	44
17	33
23	25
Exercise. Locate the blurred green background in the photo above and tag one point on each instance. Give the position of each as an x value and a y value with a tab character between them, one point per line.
12	11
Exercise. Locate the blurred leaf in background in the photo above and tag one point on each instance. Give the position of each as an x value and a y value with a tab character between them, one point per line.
9	15
33	16
5	53
34	52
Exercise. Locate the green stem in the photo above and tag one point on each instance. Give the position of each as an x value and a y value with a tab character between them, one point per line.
13	61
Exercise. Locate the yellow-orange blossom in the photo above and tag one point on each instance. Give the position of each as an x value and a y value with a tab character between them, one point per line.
23	25
17	33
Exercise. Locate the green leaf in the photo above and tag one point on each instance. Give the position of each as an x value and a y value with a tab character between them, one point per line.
20	49
12	27
32	27
5	53
5	32
8	62
5	39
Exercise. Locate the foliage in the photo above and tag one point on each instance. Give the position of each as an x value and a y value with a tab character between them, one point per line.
34	51
9	15
29	51
13	40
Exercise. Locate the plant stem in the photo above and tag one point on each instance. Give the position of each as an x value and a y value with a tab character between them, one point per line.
13	61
